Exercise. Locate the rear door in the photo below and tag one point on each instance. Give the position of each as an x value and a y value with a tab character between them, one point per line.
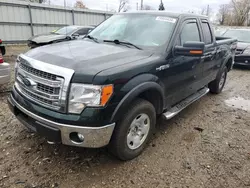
210	59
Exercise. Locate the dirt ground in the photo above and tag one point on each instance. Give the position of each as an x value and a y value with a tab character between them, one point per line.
206	145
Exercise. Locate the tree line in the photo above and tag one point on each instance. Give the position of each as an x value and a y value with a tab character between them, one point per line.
123	5
235	13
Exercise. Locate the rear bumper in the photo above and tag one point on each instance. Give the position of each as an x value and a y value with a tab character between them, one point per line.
94	137
4	73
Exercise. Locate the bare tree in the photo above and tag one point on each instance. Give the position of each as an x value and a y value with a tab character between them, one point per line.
161	6
126	8
123	4
148	7
206	11
203	11
80	4
223	13
241	10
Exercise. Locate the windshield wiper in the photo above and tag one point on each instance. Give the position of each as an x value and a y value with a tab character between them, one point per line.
92	38
123	42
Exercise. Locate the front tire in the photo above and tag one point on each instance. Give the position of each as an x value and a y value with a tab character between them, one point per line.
218	84
133	131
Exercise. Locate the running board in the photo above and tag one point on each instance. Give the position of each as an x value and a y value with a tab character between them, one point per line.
185	103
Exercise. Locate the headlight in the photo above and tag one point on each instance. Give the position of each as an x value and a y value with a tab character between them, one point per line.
247	51
82	95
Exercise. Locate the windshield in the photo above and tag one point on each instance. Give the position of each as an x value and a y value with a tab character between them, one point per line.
66	30
241	35
141	30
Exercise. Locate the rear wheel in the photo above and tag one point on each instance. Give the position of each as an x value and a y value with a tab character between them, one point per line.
218	84
135	129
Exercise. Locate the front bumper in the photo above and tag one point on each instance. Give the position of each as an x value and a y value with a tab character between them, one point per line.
242	60
94	137
4	73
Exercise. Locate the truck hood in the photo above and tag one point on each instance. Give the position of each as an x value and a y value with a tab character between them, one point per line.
46	38
87	58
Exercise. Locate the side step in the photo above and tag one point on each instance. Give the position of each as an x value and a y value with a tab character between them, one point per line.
185	103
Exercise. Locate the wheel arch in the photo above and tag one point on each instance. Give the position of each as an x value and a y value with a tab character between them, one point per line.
228	62
150	91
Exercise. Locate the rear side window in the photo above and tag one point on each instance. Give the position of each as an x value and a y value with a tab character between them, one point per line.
190	32
207	33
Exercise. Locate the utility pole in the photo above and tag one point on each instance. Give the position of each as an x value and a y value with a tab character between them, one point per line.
65	4
207	10
137	6
248	22
141	4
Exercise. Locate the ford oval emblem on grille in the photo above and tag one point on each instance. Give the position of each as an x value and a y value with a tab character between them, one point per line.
28	82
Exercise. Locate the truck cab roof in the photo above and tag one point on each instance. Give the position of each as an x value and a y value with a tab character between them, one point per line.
165	13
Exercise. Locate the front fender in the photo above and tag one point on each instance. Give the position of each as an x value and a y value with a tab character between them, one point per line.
134	93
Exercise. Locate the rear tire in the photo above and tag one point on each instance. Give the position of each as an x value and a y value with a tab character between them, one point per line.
133	131
218	84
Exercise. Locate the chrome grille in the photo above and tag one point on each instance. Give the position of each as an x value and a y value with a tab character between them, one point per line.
36	72
36	97
48	89
39	86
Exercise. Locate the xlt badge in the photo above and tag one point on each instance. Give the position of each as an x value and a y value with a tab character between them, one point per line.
163	67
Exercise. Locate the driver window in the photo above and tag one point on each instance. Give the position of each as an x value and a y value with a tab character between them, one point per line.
190	32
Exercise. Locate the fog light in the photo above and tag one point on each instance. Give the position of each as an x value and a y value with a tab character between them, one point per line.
81	137
76	138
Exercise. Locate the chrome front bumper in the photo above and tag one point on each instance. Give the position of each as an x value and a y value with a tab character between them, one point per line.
94	137
4	73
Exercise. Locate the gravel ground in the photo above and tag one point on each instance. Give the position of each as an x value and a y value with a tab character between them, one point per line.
206	145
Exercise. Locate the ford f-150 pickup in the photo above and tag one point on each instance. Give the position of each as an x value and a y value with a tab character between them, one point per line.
109	88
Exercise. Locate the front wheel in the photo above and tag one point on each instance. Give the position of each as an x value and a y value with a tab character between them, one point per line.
135	129
218	84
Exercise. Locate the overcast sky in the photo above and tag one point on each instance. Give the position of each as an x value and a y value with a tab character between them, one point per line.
171	5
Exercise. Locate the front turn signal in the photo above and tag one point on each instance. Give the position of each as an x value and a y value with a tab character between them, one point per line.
107	92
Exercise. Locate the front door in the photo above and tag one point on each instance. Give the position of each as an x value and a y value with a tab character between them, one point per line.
183	71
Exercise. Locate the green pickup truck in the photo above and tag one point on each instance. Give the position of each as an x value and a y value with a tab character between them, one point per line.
109	88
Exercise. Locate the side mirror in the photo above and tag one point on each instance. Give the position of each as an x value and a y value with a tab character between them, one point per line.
190	49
